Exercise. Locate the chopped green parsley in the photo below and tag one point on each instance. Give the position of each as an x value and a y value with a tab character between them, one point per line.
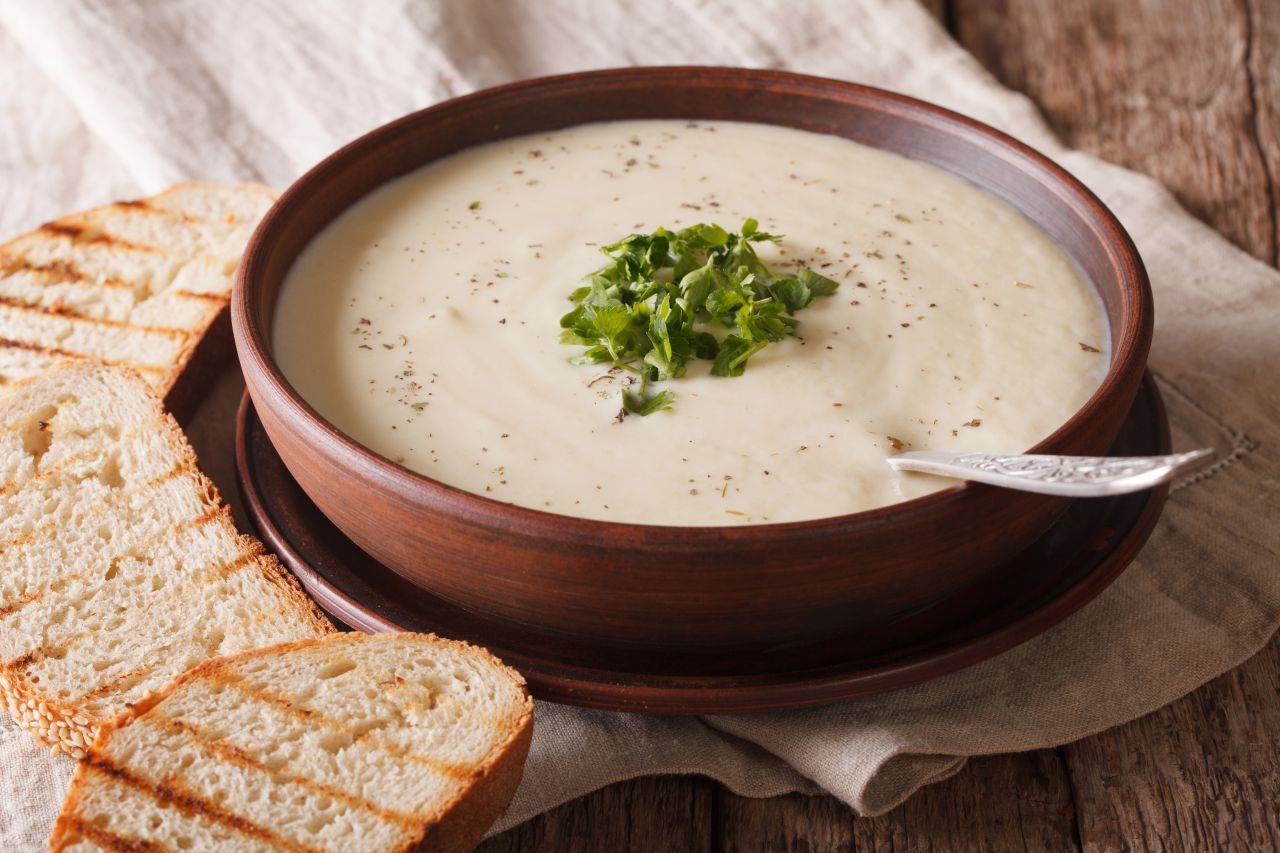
652	307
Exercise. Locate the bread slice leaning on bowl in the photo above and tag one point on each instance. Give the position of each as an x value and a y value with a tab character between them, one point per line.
351	742
120	565
141	283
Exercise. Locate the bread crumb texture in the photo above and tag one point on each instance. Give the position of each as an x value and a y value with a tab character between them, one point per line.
136	283
351	742
120	566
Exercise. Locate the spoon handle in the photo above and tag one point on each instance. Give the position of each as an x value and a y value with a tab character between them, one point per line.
1067	476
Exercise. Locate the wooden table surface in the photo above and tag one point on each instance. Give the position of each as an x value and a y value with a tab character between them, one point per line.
1187	91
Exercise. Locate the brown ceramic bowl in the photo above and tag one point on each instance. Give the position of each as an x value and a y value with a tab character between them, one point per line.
677	588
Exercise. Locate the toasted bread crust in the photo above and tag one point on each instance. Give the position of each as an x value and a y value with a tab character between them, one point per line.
76	227
473	811
67	727
455	825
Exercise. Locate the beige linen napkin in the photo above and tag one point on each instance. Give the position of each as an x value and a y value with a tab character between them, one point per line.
110	100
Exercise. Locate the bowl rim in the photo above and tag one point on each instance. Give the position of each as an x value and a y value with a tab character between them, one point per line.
1127	361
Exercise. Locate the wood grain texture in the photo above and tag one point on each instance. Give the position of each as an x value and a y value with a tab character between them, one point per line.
667	813
997	803
1200	774
1263	22
794	824
1188	92
1167	88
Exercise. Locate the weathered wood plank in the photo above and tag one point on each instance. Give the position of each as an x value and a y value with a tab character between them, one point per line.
997	803
1188	92
1163	87
1200	774
668	813
1263	18
792	824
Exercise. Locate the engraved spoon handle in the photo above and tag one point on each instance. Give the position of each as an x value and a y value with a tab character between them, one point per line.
1067	476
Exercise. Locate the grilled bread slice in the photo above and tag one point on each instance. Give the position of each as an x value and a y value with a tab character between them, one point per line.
351	742
136	283
119	564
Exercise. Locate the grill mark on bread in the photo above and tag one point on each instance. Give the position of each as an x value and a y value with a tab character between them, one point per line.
66	463
29	347
150	754
21	662
144	205
292	707
117	242
12	607
78	356
139	672
109	840
112	261
75	317
81	317
85	234
230	753
210	514
220	298
222	572
34	656
116	497
26	265
62	272
143	546
109	687
216	572
181	467
187	802
62	229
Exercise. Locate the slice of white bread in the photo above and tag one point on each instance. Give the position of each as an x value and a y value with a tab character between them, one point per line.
351	742
120	566
137	283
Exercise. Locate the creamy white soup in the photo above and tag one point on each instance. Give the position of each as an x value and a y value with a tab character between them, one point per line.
424	322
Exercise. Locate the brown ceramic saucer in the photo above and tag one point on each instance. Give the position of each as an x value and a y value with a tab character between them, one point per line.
1089	546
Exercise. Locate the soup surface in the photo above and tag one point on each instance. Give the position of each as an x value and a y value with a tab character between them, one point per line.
424	322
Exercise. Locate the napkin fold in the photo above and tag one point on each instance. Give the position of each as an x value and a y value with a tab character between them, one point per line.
115	100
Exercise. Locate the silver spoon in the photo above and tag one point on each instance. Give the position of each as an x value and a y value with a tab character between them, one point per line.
1067	476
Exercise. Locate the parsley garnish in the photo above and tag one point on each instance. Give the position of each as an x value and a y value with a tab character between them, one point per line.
648	310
